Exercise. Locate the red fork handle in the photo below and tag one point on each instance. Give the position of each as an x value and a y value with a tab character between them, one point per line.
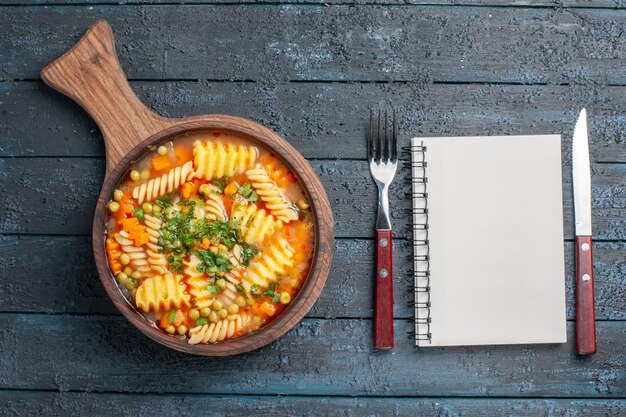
383	311
585	310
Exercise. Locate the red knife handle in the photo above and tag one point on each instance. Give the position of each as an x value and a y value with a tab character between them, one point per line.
383	311
585	310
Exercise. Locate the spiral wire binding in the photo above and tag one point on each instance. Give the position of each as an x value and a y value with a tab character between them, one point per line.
421	246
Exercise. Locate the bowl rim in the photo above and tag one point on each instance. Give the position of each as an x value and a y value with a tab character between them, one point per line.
322	219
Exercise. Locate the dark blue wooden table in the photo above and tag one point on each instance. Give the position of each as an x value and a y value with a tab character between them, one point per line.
311	71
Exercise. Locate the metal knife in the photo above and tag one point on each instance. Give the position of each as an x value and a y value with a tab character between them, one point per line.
581	174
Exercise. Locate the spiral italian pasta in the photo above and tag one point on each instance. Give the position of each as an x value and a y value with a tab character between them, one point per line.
270	193
254	224
156	259
138	255
164	184
219	331
214	207
197	283
214	160
161	292
273	261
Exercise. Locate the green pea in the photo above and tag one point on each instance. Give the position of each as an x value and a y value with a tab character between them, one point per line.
231	317
114	206
241	301
162	150
222	313
285	298
124	259
220	282
128	270
217	305
118	195
205	312
146	207
135	175
170	329
233	309
135	275
194	314
182	329
121	277
145	174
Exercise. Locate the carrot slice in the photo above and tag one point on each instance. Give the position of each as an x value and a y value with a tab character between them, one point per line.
231	189
187	190
128	224
160	163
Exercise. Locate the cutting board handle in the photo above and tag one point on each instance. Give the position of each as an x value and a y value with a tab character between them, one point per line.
90	74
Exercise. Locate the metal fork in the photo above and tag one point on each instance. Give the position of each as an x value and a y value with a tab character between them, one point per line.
382	154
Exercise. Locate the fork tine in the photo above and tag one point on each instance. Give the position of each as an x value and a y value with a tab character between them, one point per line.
370	137
394	146
386	153
379	141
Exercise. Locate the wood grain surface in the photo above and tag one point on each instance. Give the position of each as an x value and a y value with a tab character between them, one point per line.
311	72
339	43
80	404
319	357
314	118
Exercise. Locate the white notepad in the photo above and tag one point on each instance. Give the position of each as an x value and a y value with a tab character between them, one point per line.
488	240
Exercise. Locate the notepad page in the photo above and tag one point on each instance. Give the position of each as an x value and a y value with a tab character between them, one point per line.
495	231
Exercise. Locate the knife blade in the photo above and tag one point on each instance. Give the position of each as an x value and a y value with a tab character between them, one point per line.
581	175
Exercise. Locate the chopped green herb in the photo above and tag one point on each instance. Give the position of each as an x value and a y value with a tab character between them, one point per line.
134	282
254	288
212	262
247	253
138	213
247	191
221	183
193	302
201	321
276	298
172	316
176	261
279	277
214	289
239	288
164	201
270	290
